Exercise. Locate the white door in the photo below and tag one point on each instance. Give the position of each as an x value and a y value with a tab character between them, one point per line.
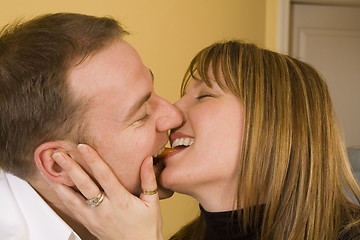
328	37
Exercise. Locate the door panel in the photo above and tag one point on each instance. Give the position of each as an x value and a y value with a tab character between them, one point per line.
328	37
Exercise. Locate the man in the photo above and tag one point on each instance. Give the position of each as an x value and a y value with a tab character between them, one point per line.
67	79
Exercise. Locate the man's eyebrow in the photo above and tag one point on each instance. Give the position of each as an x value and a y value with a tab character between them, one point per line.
138	105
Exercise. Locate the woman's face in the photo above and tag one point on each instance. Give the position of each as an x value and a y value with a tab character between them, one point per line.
213	129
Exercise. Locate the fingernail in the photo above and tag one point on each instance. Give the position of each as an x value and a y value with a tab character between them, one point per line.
59	158
83	148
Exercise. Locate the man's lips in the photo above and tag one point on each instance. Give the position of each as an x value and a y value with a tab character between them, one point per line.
166	152
159	157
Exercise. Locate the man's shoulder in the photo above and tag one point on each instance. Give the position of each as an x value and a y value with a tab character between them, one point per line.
12	221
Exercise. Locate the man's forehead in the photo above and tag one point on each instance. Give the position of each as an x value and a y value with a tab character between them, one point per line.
113	78
109	67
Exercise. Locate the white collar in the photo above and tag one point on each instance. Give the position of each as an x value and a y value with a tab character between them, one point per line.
42	222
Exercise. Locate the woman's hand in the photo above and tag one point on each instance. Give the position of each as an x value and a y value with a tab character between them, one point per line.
120	215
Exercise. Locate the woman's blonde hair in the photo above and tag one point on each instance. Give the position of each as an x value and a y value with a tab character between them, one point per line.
293	156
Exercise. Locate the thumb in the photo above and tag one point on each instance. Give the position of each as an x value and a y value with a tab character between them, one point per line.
148	181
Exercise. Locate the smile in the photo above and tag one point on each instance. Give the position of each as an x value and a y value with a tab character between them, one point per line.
177	144
182	142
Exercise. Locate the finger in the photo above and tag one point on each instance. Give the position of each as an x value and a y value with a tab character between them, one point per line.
148	181
103	174
80	178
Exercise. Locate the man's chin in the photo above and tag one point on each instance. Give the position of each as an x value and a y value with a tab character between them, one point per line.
165	193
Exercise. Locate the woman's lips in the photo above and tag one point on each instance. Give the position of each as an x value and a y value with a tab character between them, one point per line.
173	152
178	150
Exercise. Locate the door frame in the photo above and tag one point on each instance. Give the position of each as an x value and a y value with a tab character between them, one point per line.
283	33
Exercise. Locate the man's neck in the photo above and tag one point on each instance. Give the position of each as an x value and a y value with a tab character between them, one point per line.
50	197
80	230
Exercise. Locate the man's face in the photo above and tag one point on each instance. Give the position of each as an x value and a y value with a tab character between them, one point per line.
126	120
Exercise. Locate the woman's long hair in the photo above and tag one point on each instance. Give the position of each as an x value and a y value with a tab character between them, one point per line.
293	156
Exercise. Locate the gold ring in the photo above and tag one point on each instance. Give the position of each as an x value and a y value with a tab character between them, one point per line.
150	192
94	202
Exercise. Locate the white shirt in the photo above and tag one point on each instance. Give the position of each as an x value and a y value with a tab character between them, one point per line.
24	215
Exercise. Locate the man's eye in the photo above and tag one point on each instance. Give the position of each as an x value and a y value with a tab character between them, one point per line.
203	96
141	121
144	118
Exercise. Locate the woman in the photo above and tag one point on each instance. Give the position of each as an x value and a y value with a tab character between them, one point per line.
261	150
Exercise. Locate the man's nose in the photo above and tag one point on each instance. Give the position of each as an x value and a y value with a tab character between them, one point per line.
169	116
181	105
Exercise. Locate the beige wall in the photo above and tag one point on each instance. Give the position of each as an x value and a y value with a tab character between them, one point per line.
167	34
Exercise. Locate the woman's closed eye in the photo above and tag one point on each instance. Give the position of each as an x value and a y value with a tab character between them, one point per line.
202	96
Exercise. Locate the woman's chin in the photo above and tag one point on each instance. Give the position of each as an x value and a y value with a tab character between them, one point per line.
170	181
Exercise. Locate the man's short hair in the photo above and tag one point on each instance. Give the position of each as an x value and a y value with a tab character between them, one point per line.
36	104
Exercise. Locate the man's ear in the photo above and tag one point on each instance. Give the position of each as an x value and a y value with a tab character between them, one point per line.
47	165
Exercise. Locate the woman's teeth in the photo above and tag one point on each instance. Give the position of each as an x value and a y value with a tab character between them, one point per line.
182	142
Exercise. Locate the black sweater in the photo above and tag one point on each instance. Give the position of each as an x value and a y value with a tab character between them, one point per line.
225	226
